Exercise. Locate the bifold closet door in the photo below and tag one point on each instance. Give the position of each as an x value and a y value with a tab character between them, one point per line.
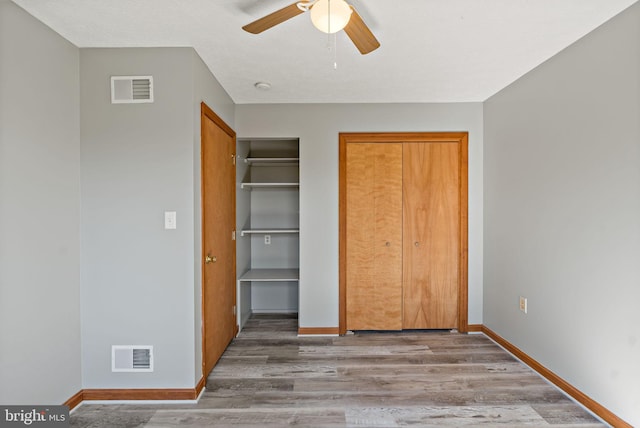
431	231
374	236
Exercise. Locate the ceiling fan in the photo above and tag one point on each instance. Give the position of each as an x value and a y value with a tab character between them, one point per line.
329	16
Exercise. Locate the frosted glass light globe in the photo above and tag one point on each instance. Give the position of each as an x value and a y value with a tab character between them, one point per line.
330	16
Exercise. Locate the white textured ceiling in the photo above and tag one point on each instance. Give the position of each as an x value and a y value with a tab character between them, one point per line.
431	50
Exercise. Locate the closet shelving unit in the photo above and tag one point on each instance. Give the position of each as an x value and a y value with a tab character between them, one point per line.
266	181
268	275
244	232
267	185
270	183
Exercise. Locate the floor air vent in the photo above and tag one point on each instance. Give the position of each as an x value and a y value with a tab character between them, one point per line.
131	89
130	358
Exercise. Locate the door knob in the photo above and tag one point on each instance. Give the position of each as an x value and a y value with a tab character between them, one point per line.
210	259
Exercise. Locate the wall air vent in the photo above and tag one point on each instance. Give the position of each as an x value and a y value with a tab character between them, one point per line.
131	89
129	358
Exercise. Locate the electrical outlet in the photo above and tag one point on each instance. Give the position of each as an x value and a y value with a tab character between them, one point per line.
523	304
267	239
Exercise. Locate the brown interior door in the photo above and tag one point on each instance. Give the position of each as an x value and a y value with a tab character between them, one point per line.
374	236
218	245
431	228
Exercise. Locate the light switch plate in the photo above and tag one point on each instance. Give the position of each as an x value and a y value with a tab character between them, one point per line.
169	219
523	304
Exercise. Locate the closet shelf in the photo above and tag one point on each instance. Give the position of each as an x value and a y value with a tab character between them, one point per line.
270	275
267	161
267	185
267	231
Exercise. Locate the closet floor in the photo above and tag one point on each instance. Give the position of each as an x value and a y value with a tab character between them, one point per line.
269	377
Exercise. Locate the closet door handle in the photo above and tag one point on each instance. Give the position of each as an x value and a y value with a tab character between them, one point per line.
387	244
417	244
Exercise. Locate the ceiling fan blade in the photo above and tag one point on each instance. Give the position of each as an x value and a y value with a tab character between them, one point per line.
360	34
273	19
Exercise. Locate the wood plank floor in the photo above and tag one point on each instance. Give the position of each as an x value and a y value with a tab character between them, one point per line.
269	377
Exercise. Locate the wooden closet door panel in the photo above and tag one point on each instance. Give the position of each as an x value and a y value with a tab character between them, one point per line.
431	228
218	221
374	236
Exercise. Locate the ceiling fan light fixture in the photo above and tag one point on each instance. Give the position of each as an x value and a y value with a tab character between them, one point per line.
330	16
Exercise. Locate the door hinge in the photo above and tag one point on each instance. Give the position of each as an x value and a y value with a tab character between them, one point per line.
233	235
234	309
233	159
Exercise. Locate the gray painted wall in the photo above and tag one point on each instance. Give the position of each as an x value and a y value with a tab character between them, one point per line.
562	210
39	212
318	126
141	283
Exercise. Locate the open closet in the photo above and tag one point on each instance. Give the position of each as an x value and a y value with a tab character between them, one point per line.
268	250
